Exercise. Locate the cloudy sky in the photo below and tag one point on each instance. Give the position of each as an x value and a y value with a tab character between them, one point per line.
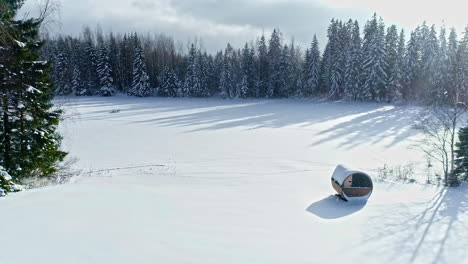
217	22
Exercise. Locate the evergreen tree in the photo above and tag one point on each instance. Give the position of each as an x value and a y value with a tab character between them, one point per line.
285	86
114	61
60	69
28	130
412	67
441	69
462	76
429	52
90	74
248	72
169	83
461	161
263	68
393	70
453	68
374	63
190	74
140	83
106	82
312	69
274	63
353	69
6	183
226	83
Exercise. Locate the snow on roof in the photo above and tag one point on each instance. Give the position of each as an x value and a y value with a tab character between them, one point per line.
341	172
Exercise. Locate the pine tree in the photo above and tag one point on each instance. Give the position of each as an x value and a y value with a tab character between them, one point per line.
393	67
169	83
114	61
429	52
375	61
263	68
226	84
441	69
60	69
248	72
274	61
190	74
453	68
353	69
462	56
461	161
7	184
28	130
312	69
285	73
106	82
411	67
140	83
332	64
91	78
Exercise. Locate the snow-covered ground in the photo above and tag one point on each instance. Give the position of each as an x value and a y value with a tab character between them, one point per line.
232	181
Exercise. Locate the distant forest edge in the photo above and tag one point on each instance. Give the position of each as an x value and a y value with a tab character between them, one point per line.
376	64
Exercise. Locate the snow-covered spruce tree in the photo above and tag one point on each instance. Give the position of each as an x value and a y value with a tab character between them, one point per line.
441	68
169	83
30	143
296	64
461	153
6	183
332	62
312	69
236	74
106	82
285	73
140	80
353	68
453	66
411	67
462	55
226	81
248	72
393	69
191	71
202	75
374	63
274	63
263	68
60	69
429	52
114	61
90	74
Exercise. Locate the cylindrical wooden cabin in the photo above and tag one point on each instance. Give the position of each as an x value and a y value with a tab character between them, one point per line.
351	184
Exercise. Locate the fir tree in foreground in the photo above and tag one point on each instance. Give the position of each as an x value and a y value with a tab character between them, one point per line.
28	130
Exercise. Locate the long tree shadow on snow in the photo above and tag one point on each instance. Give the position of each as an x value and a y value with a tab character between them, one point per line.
355	122
333	207
431	235
386	122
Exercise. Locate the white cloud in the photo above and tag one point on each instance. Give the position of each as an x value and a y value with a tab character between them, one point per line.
217	22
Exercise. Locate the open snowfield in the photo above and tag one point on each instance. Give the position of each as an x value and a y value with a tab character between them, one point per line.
232	181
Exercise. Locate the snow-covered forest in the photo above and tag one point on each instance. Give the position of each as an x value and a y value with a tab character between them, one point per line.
377	63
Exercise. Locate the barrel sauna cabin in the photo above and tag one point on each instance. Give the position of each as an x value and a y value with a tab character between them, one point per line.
351	184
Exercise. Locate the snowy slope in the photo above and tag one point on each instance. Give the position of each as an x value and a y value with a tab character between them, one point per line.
232	181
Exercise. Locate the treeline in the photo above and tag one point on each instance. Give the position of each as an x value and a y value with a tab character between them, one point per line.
377	63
